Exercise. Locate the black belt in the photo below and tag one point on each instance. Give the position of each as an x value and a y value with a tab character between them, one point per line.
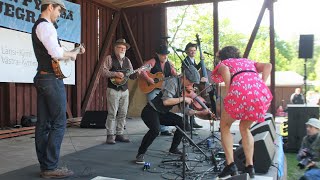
240	73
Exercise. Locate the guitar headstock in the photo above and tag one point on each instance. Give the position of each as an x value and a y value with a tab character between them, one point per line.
77	45
146	67
199	45
198	39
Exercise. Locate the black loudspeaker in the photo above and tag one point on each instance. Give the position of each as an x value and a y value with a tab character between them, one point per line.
267	125
298	115
264	151
94	119
244	176
306	46
269	117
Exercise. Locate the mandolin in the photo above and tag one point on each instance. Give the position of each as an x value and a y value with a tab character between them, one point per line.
62	68
121	81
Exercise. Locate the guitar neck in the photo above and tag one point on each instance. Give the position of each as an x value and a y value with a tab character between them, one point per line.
77	49
132	72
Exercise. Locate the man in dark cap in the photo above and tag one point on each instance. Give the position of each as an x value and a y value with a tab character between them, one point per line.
157	112
159	63
51	95
116	65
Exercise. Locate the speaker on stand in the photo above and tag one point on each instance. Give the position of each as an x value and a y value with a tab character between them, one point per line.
306	51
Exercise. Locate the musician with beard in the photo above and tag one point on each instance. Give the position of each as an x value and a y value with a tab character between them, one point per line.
116	65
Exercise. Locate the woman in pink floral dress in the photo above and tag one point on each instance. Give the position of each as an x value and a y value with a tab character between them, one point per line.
248	99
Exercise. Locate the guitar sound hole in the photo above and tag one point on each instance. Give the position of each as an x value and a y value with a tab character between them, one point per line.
156	80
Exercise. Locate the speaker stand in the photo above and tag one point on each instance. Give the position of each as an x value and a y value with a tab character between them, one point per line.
305	80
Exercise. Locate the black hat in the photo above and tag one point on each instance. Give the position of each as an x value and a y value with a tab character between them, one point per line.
190	45
162	49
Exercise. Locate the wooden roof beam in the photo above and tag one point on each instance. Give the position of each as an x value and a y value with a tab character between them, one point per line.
98	69
255	30
132	39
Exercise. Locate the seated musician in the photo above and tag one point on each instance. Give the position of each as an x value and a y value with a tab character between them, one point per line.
159	63
118	96
157	111
191	50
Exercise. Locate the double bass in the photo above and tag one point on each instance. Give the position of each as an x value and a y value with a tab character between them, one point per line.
206	90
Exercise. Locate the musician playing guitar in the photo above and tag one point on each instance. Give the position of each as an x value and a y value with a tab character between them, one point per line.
159	64
116	65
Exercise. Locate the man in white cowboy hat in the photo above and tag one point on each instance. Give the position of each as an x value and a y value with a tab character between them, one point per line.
51	95
115	66
310	150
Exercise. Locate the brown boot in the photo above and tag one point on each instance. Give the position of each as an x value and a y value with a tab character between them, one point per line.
56	173
111	139
121	138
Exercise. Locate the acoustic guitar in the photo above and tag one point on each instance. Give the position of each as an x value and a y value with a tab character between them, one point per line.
121	81
62	68
158	79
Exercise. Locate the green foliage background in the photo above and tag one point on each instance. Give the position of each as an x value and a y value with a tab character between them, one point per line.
187	21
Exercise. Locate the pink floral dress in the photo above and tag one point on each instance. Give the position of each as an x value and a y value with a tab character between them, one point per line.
248	98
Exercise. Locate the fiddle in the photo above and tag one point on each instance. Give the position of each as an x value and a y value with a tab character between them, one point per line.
198	102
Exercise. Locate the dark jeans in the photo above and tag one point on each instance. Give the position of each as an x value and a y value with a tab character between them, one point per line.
153	119
51	119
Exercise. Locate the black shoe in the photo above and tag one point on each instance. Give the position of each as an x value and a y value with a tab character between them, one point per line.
228	170
175	151
166	133
250	170
195	125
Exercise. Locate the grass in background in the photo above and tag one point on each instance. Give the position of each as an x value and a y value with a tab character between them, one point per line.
294	172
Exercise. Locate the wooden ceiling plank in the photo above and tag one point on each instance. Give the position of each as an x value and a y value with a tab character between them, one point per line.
146	2
107	3
120	2
190	2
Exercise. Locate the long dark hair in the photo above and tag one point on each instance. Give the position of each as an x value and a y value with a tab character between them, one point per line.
229	52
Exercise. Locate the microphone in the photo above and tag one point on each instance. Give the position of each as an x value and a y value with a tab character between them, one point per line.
208	53
165	37
180	50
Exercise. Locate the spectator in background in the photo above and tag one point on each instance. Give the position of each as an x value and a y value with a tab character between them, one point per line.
312	97
309	153
297	97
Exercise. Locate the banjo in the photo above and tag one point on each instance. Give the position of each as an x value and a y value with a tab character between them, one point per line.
62	68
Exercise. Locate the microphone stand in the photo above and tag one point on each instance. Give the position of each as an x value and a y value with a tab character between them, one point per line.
185	136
